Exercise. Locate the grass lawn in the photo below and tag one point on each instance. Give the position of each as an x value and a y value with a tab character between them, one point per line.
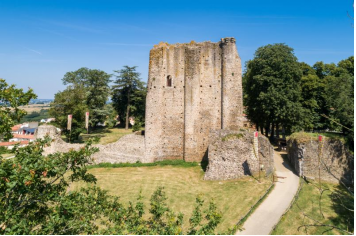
182	184
106	135
308	203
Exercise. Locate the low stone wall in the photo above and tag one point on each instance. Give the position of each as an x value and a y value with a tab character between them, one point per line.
336	159
128	149
232	154
49	130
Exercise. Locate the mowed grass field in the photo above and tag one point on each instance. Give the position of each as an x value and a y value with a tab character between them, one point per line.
182	185
308	203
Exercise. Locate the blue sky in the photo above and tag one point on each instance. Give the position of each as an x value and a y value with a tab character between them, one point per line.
41	40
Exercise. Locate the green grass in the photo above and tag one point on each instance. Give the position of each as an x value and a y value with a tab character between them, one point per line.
182	184
104	135
308	203
180	163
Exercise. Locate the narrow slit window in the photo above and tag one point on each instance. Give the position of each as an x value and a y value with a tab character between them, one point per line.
169	81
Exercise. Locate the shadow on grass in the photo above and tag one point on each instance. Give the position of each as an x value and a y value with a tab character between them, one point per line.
343	205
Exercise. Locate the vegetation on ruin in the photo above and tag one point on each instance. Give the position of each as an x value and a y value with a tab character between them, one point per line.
104	135
306	216
232	137
305	137
182	185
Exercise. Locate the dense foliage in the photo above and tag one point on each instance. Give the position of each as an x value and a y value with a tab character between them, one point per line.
10	113
272	88
87	90
129	96
36	116
70	101
280	92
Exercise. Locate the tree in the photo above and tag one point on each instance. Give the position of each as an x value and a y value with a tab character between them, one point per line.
272	86
339	90
11	99
96	86
129	94
313	97
72	101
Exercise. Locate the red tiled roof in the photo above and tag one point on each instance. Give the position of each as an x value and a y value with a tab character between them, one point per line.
12	143
28	136
16	127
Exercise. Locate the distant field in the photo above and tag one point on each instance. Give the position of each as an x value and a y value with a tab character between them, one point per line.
35	107
182	185
333	209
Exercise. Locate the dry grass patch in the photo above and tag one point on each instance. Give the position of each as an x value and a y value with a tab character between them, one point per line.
34	107
182	185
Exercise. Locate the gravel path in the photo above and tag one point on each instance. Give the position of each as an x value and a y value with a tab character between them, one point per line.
271	209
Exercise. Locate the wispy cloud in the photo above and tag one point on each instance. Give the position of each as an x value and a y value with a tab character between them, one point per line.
34	51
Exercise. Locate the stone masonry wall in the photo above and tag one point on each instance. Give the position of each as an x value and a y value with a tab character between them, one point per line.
205	94
232	155
304	153
128	149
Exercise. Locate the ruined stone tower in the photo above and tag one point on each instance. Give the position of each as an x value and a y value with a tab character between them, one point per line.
192	88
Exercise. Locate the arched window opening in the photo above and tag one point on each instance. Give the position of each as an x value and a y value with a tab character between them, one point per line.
169	81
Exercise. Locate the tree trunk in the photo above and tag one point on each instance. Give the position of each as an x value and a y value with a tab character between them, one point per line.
272	131
277	130
127	110
261	127
256	127
267	129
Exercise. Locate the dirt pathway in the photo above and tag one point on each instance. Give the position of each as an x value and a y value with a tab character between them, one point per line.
271	209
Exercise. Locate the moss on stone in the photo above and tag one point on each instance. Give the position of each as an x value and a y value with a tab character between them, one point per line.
232	137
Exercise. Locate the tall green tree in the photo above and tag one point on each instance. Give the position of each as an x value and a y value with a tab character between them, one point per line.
11	98
272	88
339	90
313	98
72	101
96	86
129	95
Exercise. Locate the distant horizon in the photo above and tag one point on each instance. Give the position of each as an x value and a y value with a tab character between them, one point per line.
46	39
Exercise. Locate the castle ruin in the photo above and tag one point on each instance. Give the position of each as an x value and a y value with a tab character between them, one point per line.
193	88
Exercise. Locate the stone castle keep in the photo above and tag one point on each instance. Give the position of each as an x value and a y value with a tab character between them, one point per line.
193	88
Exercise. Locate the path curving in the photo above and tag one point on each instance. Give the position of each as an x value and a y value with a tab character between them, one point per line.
268	213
